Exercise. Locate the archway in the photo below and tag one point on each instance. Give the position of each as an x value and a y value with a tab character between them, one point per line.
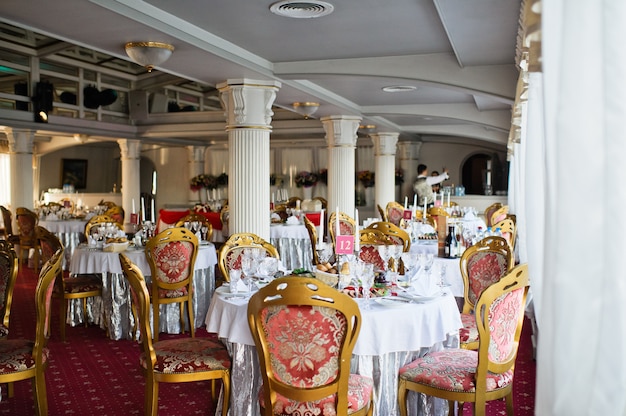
474	174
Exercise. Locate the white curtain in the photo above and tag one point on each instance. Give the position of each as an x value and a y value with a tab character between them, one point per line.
5	179
581	369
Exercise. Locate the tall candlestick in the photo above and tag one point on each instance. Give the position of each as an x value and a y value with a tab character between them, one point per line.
406	202
152	217
357	234
320	236
414	202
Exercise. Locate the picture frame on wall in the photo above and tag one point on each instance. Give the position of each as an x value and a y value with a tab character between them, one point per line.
74	172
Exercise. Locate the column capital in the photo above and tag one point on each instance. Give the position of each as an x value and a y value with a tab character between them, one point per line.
20	140
129	149
248	103
341	130
409	150
384	143
196	153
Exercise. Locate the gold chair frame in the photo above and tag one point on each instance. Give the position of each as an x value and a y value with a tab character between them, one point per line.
60	283
343	218
502	211
393	232
381	212
8	222
26	242
172	235
312	230
43	294
241	241
8	256
115	211
304	291
193	216
97	220
394	205
489	211
507	225
141	308
515	279
322	200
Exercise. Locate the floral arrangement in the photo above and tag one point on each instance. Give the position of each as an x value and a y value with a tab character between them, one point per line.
366	177
306	179
323	176
222	179
203	181
399	176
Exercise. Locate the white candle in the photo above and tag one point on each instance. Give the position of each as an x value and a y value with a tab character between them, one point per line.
152	217
425	199
214	195
356	231
319	235
449	198
219	194
406	202
488	178
272	198
133	205
337	221
414	202
143	209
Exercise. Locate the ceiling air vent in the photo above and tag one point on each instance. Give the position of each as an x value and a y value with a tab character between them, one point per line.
302	9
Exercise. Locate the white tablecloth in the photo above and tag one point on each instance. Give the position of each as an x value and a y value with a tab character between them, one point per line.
293	245
114	311
381	349
70	232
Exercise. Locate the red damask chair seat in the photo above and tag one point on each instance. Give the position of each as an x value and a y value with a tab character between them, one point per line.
369	254
188	355
81	284
17	355
359	393
452	371
232	252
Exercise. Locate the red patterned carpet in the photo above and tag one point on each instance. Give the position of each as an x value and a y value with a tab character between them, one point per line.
93	375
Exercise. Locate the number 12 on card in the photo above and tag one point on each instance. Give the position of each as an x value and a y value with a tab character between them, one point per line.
344	244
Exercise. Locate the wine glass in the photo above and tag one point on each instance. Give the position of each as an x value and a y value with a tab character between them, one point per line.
204	230
235	277
395	253
442	276
324	252
385	255
367	281
248	268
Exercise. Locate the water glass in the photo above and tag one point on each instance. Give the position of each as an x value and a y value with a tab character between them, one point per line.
235	277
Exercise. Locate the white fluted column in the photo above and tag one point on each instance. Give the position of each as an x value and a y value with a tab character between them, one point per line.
21	144
130	156
408	155
248	105
341	140
196	167
385	159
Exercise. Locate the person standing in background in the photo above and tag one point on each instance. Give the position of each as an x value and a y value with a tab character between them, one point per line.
424	183
436	187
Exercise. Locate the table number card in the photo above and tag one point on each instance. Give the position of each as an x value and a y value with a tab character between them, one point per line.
408	214
344	244
134	218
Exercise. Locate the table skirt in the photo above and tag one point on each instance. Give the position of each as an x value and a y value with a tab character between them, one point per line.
246	380
113	310
294	253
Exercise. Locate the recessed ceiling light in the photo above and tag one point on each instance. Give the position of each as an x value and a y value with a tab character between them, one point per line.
302	9
399	88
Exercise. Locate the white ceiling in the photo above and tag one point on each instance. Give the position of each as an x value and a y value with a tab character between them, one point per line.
459	54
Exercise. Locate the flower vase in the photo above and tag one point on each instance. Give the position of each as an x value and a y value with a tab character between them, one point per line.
307	192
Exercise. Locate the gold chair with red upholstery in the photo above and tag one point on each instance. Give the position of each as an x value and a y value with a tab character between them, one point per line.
461	375
347	225
482	265
508	229
489	212
7	219
23	359
394	213
27	221
176	360
312	231
369	240
304	332
230	254
195	217
66	288
171	255
116	213
8	276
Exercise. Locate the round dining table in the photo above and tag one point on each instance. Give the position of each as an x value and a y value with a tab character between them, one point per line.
380	350
113	309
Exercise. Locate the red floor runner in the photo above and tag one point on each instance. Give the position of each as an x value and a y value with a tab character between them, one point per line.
93	375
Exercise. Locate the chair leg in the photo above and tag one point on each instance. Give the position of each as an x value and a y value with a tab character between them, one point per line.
152	396
181	316
155	320
192	322
509	404
11	390
402	397
226	390
39	394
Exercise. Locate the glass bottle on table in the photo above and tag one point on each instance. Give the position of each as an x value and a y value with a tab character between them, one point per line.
451	244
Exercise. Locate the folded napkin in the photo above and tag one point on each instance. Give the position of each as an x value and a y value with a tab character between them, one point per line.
427	229
425	285
275	216
293	220
470	216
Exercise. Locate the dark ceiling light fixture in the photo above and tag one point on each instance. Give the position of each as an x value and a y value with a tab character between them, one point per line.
302	9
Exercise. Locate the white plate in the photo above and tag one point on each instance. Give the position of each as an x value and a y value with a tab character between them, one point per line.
224	291
392	301
420	299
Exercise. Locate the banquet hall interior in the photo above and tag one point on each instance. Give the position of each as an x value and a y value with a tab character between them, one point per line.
229	108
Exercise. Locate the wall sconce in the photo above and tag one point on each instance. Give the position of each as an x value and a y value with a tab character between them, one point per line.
149	54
